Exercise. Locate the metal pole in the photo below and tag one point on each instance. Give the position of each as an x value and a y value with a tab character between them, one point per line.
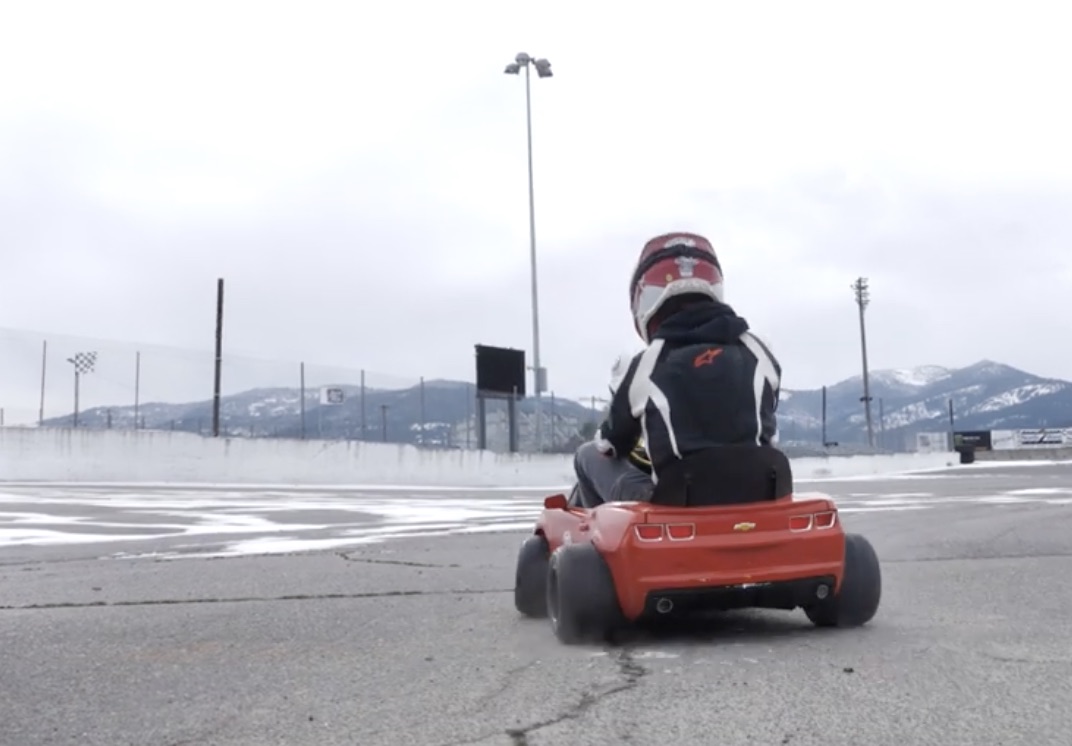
867	382
511	416
423	421
76	377
952	426
862	299
137	386
303	401
481	422
825	441
44	364
383	421
219	359
532	260
364	429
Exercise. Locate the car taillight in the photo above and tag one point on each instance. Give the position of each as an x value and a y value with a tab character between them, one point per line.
671	531
681	531
818	521
826	520
649	531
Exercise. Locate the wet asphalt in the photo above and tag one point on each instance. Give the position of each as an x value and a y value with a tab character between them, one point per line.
141	639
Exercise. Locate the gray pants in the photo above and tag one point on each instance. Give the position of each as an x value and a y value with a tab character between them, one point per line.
605	479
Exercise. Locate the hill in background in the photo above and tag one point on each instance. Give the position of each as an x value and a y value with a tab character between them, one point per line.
442	413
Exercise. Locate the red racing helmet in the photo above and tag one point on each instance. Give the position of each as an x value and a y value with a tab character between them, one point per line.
672	265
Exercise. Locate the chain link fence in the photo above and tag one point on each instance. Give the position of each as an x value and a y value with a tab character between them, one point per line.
65	381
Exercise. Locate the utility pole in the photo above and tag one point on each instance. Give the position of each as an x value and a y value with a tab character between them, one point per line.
218	368
863	298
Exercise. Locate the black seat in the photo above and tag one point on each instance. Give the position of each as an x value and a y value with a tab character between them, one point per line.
726	475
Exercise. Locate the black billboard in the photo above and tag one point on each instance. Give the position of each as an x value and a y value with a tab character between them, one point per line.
500	371
977	440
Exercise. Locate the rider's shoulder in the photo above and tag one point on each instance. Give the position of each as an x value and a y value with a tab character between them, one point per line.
763	340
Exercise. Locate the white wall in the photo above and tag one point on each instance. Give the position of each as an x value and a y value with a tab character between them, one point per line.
1001	440
65	455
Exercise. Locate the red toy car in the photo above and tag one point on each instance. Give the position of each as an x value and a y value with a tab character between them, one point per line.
724	532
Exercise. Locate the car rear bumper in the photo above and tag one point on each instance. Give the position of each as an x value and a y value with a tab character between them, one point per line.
783	594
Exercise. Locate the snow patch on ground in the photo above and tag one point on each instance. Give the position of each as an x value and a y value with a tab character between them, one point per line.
229	522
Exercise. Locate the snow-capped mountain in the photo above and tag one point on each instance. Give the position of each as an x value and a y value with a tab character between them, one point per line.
911	378
985	396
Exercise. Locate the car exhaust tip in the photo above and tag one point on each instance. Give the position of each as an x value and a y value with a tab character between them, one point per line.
822	591
664	606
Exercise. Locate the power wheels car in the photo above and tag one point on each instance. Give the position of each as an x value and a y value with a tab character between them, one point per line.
534	565
725	533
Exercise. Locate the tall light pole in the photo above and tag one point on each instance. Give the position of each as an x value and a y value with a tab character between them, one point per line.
543	70
863	298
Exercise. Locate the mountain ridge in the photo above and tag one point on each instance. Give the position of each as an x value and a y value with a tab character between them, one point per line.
442	413
986	395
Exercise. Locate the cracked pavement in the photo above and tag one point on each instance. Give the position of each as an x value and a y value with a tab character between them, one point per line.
416	642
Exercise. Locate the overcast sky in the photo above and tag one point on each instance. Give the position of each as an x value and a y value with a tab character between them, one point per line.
357	173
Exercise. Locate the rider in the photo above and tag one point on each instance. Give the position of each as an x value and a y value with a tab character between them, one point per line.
704	379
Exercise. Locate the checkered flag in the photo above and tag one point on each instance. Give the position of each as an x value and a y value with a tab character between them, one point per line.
332	396
84	361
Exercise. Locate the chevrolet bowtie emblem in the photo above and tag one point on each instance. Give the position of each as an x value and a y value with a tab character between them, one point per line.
746	526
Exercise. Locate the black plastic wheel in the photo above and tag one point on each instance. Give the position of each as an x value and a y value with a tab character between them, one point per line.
861	589
530	580
582	602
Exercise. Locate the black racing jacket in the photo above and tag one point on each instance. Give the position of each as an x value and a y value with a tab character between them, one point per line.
704	381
